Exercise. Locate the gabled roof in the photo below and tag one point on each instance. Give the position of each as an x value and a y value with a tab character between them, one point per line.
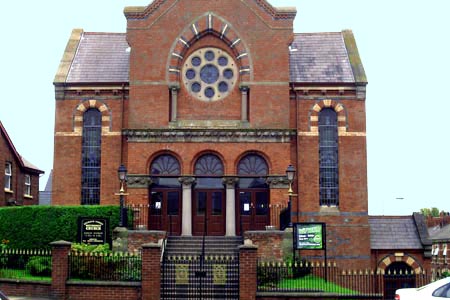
325	57
24	164
443	234
141	12
314	58
394	232
100	57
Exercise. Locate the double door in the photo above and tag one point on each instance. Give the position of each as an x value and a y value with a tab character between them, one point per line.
208	212
165	210
252	211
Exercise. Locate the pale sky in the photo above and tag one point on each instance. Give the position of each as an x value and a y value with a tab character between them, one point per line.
404	46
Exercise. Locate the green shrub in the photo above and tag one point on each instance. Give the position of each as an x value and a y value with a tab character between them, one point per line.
80	247
40	266
32	227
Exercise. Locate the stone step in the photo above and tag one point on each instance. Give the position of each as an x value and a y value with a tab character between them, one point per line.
221	246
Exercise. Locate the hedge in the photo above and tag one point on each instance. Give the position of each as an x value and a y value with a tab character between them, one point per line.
35	227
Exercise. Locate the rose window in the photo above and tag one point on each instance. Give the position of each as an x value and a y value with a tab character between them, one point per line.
209	74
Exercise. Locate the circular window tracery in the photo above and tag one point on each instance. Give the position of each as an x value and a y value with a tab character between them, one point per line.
209	74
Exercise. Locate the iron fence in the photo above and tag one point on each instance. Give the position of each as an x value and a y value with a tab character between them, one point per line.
191	277
305	277
105	266
137	216
26	264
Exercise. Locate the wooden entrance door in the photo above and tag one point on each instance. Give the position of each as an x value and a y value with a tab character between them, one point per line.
165	210
209	206
252	211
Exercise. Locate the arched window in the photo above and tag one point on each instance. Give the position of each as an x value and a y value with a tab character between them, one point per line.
251	165
91	157
328	155
209	165
165	164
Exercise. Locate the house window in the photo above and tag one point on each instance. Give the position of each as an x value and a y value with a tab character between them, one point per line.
27	189
328	155
91	155
8	176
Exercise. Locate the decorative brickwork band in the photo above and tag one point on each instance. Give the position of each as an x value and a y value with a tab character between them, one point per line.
209	24
400	257
328	103
83	107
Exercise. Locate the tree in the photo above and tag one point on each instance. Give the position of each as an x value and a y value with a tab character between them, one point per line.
433	212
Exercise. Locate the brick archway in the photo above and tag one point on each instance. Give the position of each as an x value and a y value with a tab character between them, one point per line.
385	262
328	103
209	24
83	107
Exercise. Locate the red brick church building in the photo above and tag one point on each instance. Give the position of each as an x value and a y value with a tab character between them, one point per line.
207	103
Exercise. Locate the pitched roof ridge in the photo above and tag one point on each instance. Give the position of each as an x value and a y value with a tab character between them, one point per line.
103	33
22	161
319	33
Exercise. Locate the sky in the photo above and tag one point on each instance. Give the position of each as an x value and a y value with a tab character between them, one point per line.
404	46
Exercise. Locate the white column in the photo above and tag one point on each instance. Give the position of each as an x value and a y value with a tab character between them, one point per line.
186	218
244	103
174	102
230	221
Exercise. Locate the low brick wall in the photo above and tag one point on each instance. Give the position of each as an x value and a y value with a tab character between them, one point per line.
272	244
137	238
106	290
29	288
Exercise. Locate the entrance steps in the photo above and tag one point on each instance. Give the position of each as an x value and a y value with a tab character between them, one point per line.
192	246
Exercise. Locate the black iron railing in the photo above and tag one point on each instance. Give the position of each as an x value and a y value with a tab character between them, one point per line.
105	267
316	278
26	264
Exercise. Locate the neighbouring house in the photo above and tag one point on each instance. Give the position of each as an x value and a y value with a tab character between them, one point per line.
440	261
21	179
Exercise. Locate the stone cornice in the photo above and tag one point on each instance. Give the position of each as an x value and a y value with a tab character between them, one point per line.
209	135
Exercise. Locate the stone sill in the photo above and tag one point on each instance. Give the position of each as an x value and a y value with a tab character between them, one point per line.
8	191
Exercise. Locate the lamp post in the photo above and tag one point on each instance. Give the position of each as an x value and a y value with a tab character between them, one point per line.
122	172
290	174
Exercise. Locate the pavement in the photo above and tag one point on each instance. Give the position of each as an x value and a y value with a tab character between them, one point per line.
26	298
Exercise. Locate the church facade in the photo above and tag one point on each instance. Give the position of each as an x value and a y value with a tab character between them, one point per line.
207	103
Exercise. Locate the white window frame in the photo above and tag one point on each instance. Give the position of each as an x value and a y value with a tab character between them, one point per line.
27	191
8	176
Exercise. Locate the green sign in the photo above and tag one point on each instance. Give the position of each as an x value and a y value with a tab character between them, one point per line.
309	236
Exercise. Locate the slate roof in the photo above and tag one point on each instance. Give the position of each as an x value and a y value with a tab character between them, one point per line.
320	58
100	57
388	232
443	234
314	58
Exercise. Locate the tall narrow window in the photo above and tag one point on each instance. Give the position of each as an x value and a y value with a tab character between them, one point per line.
27	188
328	155
8	176
91	154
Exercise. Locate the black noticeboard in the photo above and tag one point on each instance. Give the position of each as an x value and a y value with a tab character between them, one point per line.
93	231
309	236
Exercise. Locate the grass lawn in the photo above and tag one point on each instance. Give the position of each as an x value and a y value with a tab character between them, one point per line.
22	275
313	283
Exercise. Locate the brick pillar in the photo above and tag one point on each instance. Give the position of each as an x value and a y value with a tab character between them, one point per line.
60	268
151	271
247	270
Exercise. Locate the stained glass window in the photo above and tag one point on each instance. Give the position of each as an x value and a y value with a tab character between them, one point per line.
252	164
165	164
91	157
328	155
209	165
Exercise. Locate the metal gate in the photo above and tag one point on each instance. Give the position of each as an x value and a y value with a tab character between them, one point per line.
214	277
